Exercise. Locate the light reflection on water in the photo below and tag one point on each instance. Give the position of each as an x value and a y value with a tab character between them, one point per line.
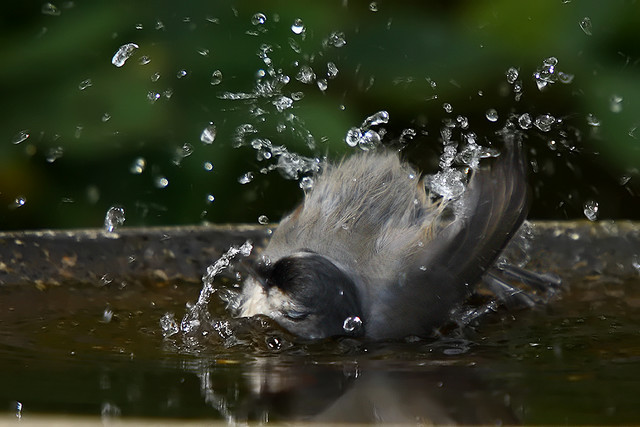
574	360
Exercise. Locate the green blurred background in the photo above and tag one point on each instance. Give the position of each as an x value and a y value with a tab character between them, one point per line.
101	135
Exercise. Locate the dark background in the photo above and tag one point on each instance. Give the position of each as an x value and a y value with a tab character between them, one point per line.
408	58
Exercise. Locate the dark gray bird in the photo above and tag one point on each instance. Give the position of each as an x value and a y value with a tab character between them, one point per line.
370	253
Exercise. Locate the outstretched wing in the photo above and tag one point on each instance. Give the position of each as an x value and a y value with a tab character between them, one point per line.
439	277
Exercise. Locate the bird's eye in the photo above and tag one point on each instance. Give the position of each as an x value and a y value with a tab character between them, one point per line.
295	315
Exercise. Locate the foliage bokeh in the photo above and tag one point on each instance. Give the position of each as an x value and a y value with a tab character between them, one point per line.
88	122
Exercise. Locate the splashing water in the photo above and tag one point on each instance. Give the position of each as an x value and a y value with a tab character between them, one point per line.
364	137
124	53
114	218
197	315
549	74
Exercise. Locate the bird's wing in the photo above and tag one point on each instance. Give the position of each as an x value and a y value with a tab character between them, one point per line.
439	277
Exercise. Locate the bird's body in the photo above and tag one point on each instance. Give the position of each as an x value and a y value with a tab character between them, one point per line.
370	253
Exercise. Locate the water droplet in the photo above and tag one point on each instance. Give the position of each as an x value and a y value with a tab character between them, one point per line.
585	24
210	198
169	325
447	107
19	410
161	182
322	84
258	19
297	27
352	325
273	343
208	166
624	179
54	153
263	219
376	119
544	122
138	166
592	120
20	136
615	103
124	53
512	75
306	74
85	84
282	103
246	178
107	315
492	115
19	202
336	39
590	209
373	6
50	9
353	136
114	218
332	70
181	73
463	122
306	183
449	183
565	77
525	121
216	77
144	60
209	133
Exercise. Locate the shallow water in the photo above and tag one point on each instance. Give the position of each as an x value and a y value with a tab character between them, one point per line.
101	351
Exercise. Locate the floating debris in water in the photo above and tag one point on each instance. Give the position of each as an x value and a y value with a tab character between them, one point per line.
123	54
114	218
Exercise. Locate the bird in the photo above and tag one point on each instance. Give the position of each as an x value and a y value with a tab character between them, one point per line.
372	253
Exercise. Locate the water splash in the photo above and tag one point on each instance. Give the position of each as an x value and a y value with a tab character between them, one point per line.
50	9
209	133
114	218
198	316
20	137
124	52
549	74
590	210
352	325
363	136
